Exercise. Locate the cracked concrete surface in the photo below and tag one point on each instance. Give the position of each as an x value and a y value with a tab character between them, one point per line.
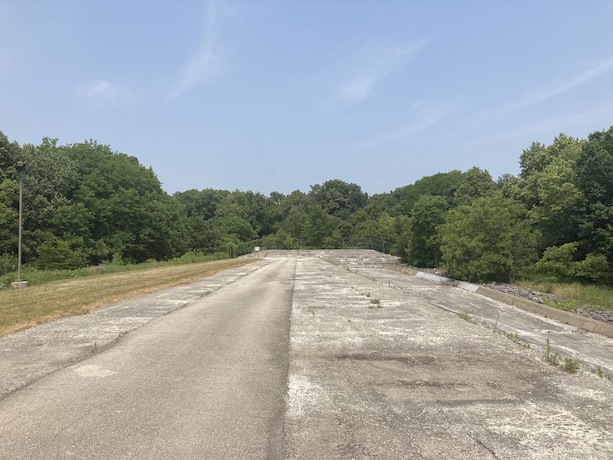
386	365
28	355
407	377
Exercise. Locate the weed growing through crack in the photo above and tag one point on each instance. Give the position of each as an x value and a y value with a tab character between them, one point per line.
568	364
465	316
603	375
571	366
551	357
375	303
514	337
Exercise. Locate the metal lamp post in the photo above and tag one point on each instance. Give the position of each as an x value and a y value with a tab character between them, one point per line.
21	168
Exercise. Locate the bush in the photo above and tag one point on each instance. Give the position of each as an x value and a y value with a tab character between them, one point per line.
558	262
595	268
57	254
487	240
8	264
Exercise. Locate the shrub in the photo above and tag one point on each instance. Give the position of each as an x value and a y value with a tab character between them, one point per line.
596	268
8	264
558	262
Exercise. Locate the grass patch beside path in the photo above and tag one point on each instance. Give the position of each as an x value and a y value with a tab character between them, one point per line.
574	295
23	308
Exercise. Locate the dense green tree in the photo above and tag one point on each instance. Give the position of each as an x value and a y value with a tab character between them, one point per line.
596	231
487	240
49	180
281	240
558	262
236	228
102	203
321	230
203	236
295	199
595	268
533	160
10	153
105	172
508	184
594	169
548	187
440	184
424	245
382	228
382	203
203	203
8	216
560	204
339	198
476	183
55	253
86	204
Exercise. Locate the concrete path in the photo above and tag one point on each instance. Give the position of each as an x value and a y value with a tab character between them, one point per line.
383	367
34	353
207	381
372	363
591	350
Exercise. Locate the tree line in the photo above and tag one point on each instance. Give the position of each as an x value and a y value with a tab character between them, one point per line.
85	205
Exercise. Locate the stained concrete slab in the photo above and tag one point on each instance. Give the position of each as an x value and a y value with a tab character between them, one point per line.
383	366
31	354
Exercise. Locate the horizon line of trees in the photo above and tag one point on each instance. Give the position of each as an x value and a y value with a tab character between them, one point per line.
86	205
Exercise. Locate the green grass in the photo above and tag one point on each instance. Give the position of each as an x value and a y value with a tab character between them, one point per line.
37	277
50	300
574	295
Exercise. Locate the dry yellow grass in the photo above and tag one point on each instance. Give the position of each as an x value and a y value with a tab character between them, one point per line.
575	295
23	308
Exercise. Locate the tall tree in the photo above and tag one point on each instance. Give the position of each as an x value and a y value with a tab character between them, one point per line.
424	246
594	170
548	187
487	240
440	184
10	152
339	198
476	183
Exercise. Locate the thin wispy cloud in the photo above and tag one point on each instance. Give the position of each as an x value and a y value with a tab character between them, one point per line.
561	86
103	92
424	116
373	62
595	119
205	63
534	97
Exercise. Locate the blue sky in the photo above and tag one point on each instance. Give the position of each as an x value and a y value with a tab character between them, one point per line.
281	95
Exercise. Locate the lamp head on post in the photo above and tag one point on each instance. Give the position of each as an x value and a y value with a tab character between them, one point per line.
21	167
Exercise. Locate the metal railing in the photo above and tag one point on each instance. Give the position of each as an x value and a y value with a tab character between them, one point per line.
271	243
